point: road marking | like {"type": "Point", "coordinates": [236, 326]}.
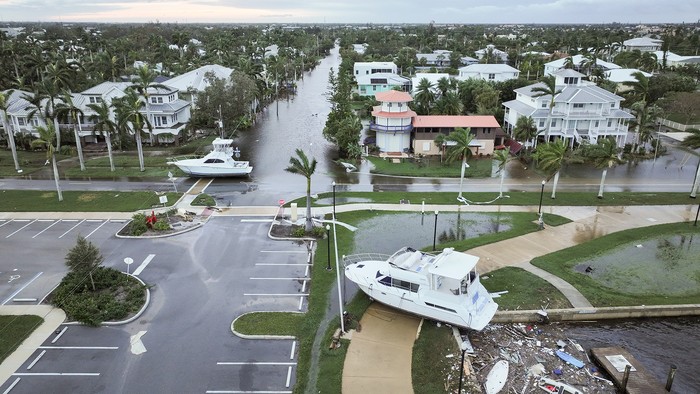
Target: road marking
{"type": "Point", "coordinates": [21, 288]}
{"type": "Point", "coordinates": [7, 222]}
{"type": "Point", "coordinates": [22, 220]}
{"type": "Point", "coordinates": [256, 220]}
{"type": "Point", "coordinates": [56, 374]}
{"type": "Point", "coordinates": [71, 229]}
{"type": "Point", "coordinates": [24, 300]}
{"type": "Point", "coordinates": [98, 227]}
{"type": "Point", "coordinates": [21, 228]}
{"type": "Point", "coordinates": [304, 279]}
{"type": "Point", "coordinates": [52, 224]}
{"type": "Point", "coordinates": [281, 264]}
{"type": "Point", "coordinates": [70, 220]}
{"type": "Point", "coordinates": [45, 220]}
{"type": "Point", "coordinates": [117, 220]}
{"type": "Point", "coordinates": [137, 346]}
{"type": "Point", "coordinates": [301, 303]}
{"type": "Point", "coordinates": [289, 376]}
{"type": "Point", "coordinates": [93, 220]}
{"type": "Point", "coordinates": [12, 386]}
{"type": "Point", "coordinates": [36, 360]}
{"type": "Point", "coordinates": [306, 271]}
{"type": "Point", "coordinates": [80, 347]}
{"type": "Point", "coordinates": [275, 295]}
{"type": "Point", "coordinates": [254, 363]}
{"type": "Point", "coordinates": [291, 354]}
{"type": "Point", "coordinates": [283, 251]}
{"type": "Point", "coordinates": [143, 265]}
{"type": "Point", "coordinates": [303, 285]}
{"type": "Point", "coordinates": [59, 335]}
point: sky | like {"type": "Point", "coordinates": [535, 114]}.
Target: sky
{"type": "Point", "coordinates": [355, 11]}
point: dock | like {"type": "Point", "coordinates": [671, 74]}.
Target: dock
{"type": "Point", "coordinates": [613, 361]}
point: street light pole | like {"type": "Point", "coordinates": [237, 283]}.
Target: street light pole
{"type": "Point", "coordinates": [540, 222]}
{"type": "Point", "coordinates": [463, 346]}
{"type": "Point", "coordinates": [328, 235]}
{"type": "Point", "coordinates": [333, 184]}
{"type": "Point", "coordinates": [435, 230]}
{"type": "Point", "coordinates": [337, 274]}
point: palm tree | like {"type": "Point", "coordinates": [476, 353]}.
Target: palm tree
{"type": "Point", "coordinates": [640, 87]}
{"type": "Point", "coordinates": [526, 130]}
{"type": "Point", "coordinates": [302, 166]}
{"type": "Point", "coordinates": [424, 96]}
{"type": "Point", "coordinates": [569, 63]}
{"type": "Point", "coordinates": [606, 155]}
{"type": "Point", "coordinates": [68, 109]}
{"type": "Point", "coordinates": [449, 104]}
{"type": "Point", "coordinates": [104, 124]}
{"type": "Point", "coordinates": [47, 135]}
{"type": "Point", "coordinates": [131, 105]}
{"type": "Point", "coordinates": [145, 80]}
{"type": "Point", "coordinates": [502, 157]}
{"type": "Point", "coordinates": [550, 158]}
{"type": "Point", "coordinates": [462, 139]}
{"type": "Point", "coordinates": [644, 122]}
{"type": "Point", "coordinates": [693, 140]}
{"type": "Point", "coordinates": [4, 103]}
{"type": "Point", "coordinates": [549, 89]}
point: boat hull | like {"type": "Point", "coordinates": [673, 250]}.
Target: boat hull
{"type": "Point", "coordinates": [204, 171]}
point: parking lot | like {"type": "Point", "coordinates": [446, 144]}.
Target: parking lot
{"type": "Point", "coordinates": [200, 281]}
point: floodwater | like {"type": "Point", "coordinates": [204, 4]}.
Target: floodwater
{"type": "Point", "coordinates": [658, 266]}
{"type": "Point", "coordinates": [656, 343]}
{"type": "Point", "coordinates": [388, 232]}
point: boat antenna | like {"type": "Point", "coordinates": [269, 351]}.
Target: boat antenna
{"type": "Point", "coordinates": [221, 124]}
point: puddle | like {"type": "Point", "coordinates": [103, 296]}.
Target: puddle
{"type": "Point", "coordinates": [664, 266]}
{"type": "Point", "coordinates": [387, 233]}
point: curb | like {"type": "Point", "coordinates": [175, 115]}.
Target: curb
{"type": "Point", "coordinates": [246, 336]}
{"type": "Point", "coordinates": [188, 229]}
{"type": "Point", "coordinates": [602, 313]}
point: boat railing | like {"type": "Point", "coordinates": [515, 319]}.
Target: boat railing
{"type": "Point", "coordinates": [184, 157]}
{"type": "Point", "coordinates": [356, 258]}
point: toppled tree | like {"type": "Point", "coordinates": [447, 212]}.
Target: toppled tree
{"type": "Point", "coordinates": [84, 258]}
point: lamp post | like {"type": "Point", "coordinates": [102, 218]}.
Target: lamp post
{"type": "Point", "coordinates": [435, 230]}
{"type": "Point", "coordinates": [333, 184]}
{"type": "Point", "coordinates": [128, 261]}
{"type": "Point", "coordinates": [337, 274]}
{"type": "Point", "coordinates": [328, 235]}
{"type": "Point", "coordinates": [540, 222]}
{"type": "Point", "coordinates": [463, 346]}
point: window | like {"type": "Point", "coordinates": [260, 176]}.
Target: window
{"type": "Point", "coordinates": [34, 122]}
{"type": "Point", "coordinates": [377, 81]}
{"type": "Point", "coordinates": [578, 105]}
{"type": "Point", "coordinates": [609, 122]}
{"type": "Point", "coordinates": [554, 123]}
{"type": "Point", "coordinates": [157, 100]}
{"type": "Point", "coordinates": [571, 80]}
{"type": "Point", "coordinates": [20, 121]}
{"type": "Point", "coordinates": [400, 105]}
{"type": "Point", "coordinates": [492, 76]}
{"type": "Point", "coordinates": [389, 105]}
{"type": "Point", "coordinates": [160, 121]}
{"type": "Point", "coordinates": [541, 123]}
{"type": "Point", "coordinates": [171, 97]}
{"type": "Point", "coordinates": [174, 118]}
{"type": "Point", "coordinates": [612, 105]}
{"type": "Point", "coordinates": [544, 104]}
{"type": "Point", "coordinates": [357, 72]}
{"type": "Point", "coordinates": [596, 123]}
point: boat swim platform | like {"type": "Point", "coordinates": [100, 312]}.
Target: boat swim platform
{"type": "Point", "coordinates": [613, 361]}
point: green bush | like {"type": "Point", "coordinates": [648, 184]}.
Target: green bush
{"type": "Point", "coordinates": [138, 224]}
{"type": "Point", "coordinates": [161, 225]}
{"type": "Point", "coordinates": [116, 296]}
{"type": "Point", "coordinates": [298, 232]}
{"type": "Point", "coordinates": [319, 232]}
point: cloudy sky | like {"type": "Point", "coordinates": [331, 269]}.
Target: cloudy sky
{"type": "Point", "coordinates": [356, 11]}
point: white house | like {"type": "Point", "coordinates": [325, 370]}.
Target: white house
{"type": "Point", "coordinates": [189, 83]}
{"type": "Point", "coordinates": [673, 60]}
{"type": "Point", "coordinates": [582, 111]}
{"type": "Point", "coordinates": [433, 78]}
{"type": "Point", "coordinates": [489, 72]}
{"type": "Point", "coordinates": [369, 85]}
{"type": "Point", "coordinates": [367, 68]}
{"type": "Point", "coordinates": [393, 121]}
{"type": "Point", "coordinates": [559, 64]}
{"type": "Point", "coordinates": [19, 113]}
{"type": "Point", "coordinates": [439, 58]}
{"type": "Point", "coordinates": [643, 44]}
{"type": "Point", "coordinates": [491, 51]}
{"type": "Point", "coordinates": [622, 75]}
{"type": "Point", "coordinates": [360, 48]}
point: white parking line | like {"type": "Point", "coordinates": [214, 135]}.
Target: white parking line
{"type": "Point", "coordinates": [256, 220]}
{"type": "Point", "coordinates": [246, 392]}
{"type": "Point", "coordinates": [56, 374]}
{"type": "Point", "coordinates": [143, 265]}
{"type": "Point", "coordinates": [36, 360]}
{"type": "Point", "coordinates": [93, 220]}
{"type": "Point", "coordinates": [12, 386]}
{"type": "Point", "coordinates": [304, 279]}
{"type": "Point", "coordinates": [21, 288]}
{"type": "Point", "coordinates": [289, 376]}
{"type": "Point", "coordinates": [59, 335]}
{"type": "Point", "coordinates": [280, 264]}
{"type": "Point", "coordinates": [98, 227]}
{"type": "Point", "coordinates": [71, 229]}
{"type": "Point", "coordinates": [275, 295]}
{"type": "Point", "coordinates": [21, 228]}
{"type": "Point", "coordinates": [80, 347]}
{"type": "Point", "coordinates": [301, 303]}
{"type": "Point", "coordinates": [291, 354]}
{"type": "Point", "coordinates": [51, 225]}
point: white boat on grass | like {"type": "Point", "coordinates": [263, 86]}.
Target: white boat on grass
{"type": "Point", "coordinates": [443, 287]}
{"type": "Point", "coordinates": [217, 163]}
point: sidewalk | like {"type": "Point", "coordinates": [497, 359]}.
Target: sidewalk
{"type": "Point", "coordinates": [367, 374]}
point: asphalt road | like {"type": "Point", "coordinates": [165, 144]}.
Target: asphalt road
{"type": "Point", "coordinates": [200, 281]}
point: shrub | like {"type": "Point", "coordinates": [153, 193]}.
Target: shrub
{"type": "Point", "coordinates": [298, 231]}
{"type": "Point", "coordinates": [161, 225]}
{"type": "Point", "coordinates": [319, 232]}
{"type": "Point", "coordinates": [138, 224]}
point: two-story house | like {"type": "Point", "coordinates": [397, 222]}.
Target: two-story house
{"type": "Point", "coordinates": [582, 111]}
{"type": "Point", "coordinates": [393, 121]}
{"type": "Point", "coordinates": [368, 85]}
{"type": "Point", "coordinates": [367, 68]}
{"type": "Point", "coordinates": [578, 63]}
{"type": "Point", "coordinates": [643, 44]}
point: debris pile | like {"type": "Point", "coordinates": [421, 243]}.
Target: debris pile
{"type": "Point", "coordinates": [541, 359]}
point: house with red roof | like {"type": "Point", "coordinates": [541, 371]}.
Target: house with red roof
{"type": "Point", "coordinates": [400, 130]}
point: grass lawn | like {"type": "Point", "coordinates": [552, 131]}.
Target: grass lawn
{"type": "Point", "coordinates": [562, 264]}
{"type": "Point", "coordinates": [126, 164]}
{"type": "Point", "coordinates": [431, 168]}
{"type": "Point", "coordinates": [525, 290]}
{"type": "Point", "coordinates": [269, 323]}
{"type": "Point", "coordinates": [29, 161]}
{"type": "Point", "coordinates": [204, 200]}
{"type": "Point", "coordinates": [516, 198]}
{"type": "Point", "coordinates": [431, 370]}
{"type": "Point", "coordinates": [80, 201]}
{"type": "Point", "coordinates": [15, 329]}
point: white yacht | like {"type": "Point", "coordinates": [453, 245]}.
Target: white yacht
{"type": "Point", "coordinates": [217, 163]}
{"type": "Point", "coordinates": [443, 287]}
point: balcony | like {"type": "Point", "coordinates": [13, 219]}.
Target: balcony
{"type": "Point", "coordinates": [390, 129]}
